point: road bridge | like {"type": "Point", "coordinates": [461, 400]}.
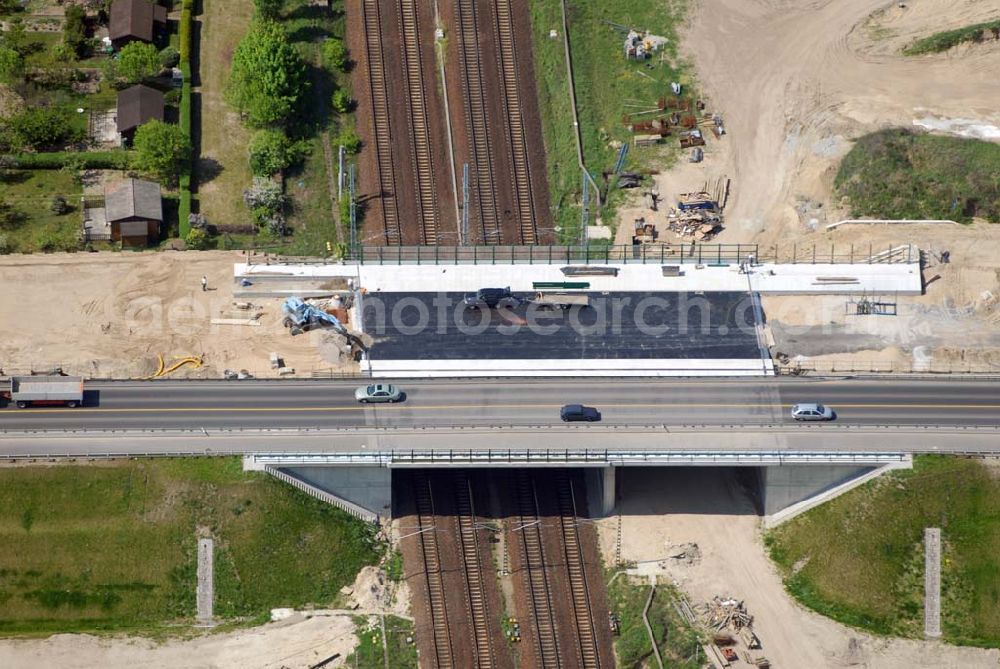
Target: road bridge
{"type": "Point", "coordinates": [317, 432]}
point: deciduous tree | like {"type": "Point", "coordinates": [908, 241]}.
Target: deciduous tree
{"type": "Point", "coordinates": [162, 149]}
{"type": "Point", "coordinates": [268, 76]}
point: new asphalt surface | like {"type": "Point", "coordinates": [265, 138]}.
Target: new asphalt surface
{"type": "Point", "coordinates": [331, 404]}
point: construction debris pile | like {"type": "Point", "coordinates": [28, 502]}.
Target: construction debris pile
{"type": "Point", "coordinates": [641, 45]}
{"type": "Point", "coordinates": [672, 116]}
{"type": "Point", "coordinates": [731, 626]}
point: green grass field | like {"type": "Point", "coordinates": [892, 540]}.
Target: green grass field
{"type": "Point", "coordinates": [898, 173]}
{"type": "Point", "coordinates": [607, 87]}
{"type": "Point", "coordinates": [678, 643]}
{"type": "Point", "coordinates": [859, 558]}
{"type": "Point", "coordinates": [947, 39]}
{"type": "Point", "coordinates": [113, 546]}
{"type": "Point", "coordinates": [30, 193]}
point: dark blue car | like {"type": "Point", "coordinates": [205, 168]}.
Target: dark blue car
{"type": "Point", "coordinates": [579, 412]}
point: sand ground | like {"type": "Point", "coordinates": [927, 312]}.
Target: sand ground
{"type": "Point", "coordinates": [668, 507]}
{"type": "Point", "coordinates": [797, 80]}
{"type": "Point", "coordinates": [112, 314]}
{"type": "Point", "coordinates": [296, 642]}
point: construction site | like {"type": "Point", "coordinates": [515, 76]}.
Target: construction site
{"type": "Point", "coordinates": [511, 567]}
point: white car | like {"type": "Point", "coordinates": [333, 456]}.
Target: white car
{"type": "Point", "coordinates": [378, 392]}
{"type": "Point", "coordinates": [812, 412]}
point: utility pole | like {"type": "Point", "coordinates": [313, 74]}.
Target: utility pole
{"type": "Point", "coordinates": [465, 205]}
{"type": "Point", "coordinates": [585, 211]}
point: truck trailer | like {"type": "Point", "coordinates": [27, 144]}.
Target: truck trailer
{"type": "Point", "coordinates": [26, 391]}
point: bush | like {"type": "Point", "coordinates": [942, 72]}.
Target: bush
{"type": "Point", "coordinates": [349, 140]}
{"type": "Point", "coordinates": [93, 160]}
{"type": "Point", "coordinates": [335, 54]}
{"type": "Point", "coordinates": [197, 239]}
{"type": "Point", "coordinates": [135, 62]}
{"type": "Point", "coordinates": [40, 128]}
{"type": "Point", "coordinates": [268, 9]}
{"type": "Point", "coordinates": [6, 246]}
{"type": "Point", "coordinates": [342, 102]}
{"type": "Point", "coordinates": [10, 216]}
{"type": "Point", "coordinates": [271, 151]}
{"type": "Point", "coordinates": [267, 203]}
{"type": "Point", "coordinates": [11, 65]}
{"type": "Point", "coordinates": [59, 206]}
{"type": "Point", "coordinates": [75, 30]}
{"type": "Point", "coordinates": [169, 57]}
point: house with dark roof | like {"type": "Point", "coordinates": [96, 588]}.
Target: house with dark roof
{"type": "Point", "coordinates": [137, 105]}
{"type": "Point", "coordinates": [135, 20]}
{"type": "Point", "coordinates": [134, 211]}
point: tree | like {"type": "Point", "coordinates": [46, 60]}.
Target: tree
{"type": "Point", "coordinates": [335, 54]}
{"type": "Point", "coordinates": [267, 204]}
{"type": "Point", "coordinates": [11, 65]}
{"type": "Point", "coordinates": [75, 30]}
{"type": "Point", "coordinates": [169, 56]}
{"type": "Point", "coordinates": [136, 61]}
{"type": "Point", "coordinates": [269, 9]}
{"type": "Point", "coordinates": [272, 151]}
{"type": "Point", "coordinates": [342, 101]}
{"type": "Point", "coordinates": [162, 149]}
{"type": "Point", "coordinates": [268, 76]}
{"type": "Point", "coordinates": [43, 127]}
{"type": "Point", "coordinates": [9, 6]}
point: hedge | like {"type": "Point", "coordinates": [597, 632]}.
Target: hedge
{"type": "Point", "coordinates": [94, 160]}
{"type": "Point", "coordinates": [184, 33]}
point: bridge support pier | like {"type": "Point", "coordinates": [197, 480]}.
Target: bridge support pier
{"type": "Point", "coordinates": [601, 491]}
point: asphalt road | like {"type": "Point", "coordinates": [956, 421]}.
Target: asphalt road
{"type": "Point", "coordinates": [330, 404]}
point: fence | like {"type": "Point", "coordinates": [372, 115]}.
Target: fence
{"type": "Point", "coordinates": [322, 495]}
{"type": "Point", "coordinates": [640, 254]}
{"type": "Point", "coordinates": [943, 368]}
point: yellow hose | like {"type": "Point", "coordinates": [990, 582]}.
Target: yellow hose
{"type": "Point", "coordinates": [193, 360]}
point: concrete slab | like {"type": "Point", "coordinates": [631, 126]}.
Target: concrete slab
{"type": "Point", "coordinates": [769, 278]}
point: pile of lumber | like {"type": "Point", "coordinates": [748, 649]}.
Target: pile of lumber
{"type": "Point", "coordinates": [722, 614]}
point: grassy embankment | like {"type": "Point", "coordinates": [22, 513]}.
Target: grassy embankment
{"type": "Point", "coordinates": [397, 652]}
{"type": "Point", "coordinates": [948, 39]}
{"type": "Point", "coordinates": [859, 558]}
{"type": "Point", "coordinates": [109, 548]}
{"type": "Point", "coordinates": [607, 86]}
{"type": "Point", "coordinates": [899, 173]}
{"type": "Point", "coordinates": [678, 643]}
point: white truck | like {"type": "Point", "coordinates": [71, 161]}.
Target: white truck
{"type": "Point", "coordinates": [546, 300]}
{"type": "Point", "coordinates": [26, 391]}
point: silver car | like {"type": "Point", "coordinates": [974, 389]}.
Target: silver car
{"type": "Point", "coordinates": [812, 412]}
{"type": "Point", "coordinates": [378, 392]}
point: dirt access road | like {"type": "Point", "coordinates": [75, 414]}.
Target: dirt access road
{"type": "Point", "coordinates": [669, 507]}
{"type": "Point", "coordinates": [797, 80]}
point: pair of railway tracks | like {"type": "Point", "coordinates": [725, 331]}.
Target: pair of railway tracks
{"type": "Point", "coordinates": [539, 581]}
{"type": "Point", "coordinates": [484, 158]}
{"type": "Point", "coordinates": [475, 585]}
{"type": "Point", "coordinates": [417, 126]}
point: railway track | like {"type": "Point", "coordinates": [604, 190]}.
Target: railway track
{"type": "Point", "coordinates": [419, 126]}
{"type": "Point", "coordinates": [529, 527]}
{"type": "Point", "coordinates": [424, 497]}
{"type": "Point", "coordinates": [476, 121]}
{"type": "Point", "coordinates": [379, 99]}
{"type": "Point", "coordinates": [504, 26]}
{"type": "Point", "coordinates": [583, 614]}
{"type": "Point", "coordinates": [478, 604]}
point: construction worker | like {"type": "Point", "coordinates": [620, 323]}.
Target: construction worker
{"type": "Point", "coordinates": [204, 283]}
